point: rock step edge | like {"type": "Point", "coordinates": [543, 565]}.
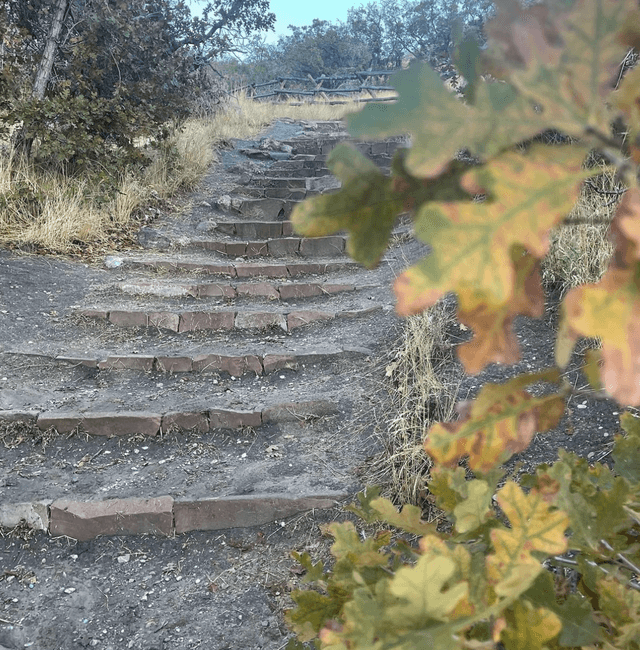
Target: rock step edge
{"type": "Point", "coordinates": [151, 424]}
{"type": "Point", "coordinates": [162, 515]}
{"type": "Point", "coordinates": [199, 320]}
{"type": "Point", "coordinates": [235, 365]}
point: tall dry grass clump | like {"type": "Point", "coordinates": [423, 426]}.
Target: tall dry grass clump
{"type": "Point", "coordinates": [579, 251]}
{"type": "Point", "coordinates": [44, 208]}
{"type": "Point", "coordinates": [421, 390]}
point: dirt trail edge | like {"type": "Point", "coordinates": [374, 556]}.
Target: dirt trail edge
{"type": "Point", "coordinates": [207, 383]}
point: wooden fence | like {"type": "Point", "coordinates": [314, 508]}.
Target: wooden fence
{"type": "Point", "coordinates": [328, 87]}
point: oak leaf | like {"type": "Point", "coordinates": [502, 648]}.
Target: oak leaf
{"type": "Point", "coordinates": [610, 310]}
{"type": "Point", "coordinates": [408, 519]}
{"type": "Point", "coordinates": [579, 627]}
{"type": "Point", "coordinates": [494, 340]}
{"type": "Point", "coordinates": [529, 627]}
{"type": "Point", "coordinates": [626, 452]}
{"type": "Point", "coordinates": [441, 124]}
{"type": "Point", "coordinates": [312, 612]}
{"type": "Point", "coordinates": [534, 527]}
{"type": "Point", "coordinates": [594, 498]}
{"type": "Point", "coordinates": [622, 605]}
{"type": "Point", "coordinates": [472, 241]}
{"type": "Point", "coordinates": [426, 590]}
{"type": "Point", "coordinates": [366, 206]}
{"type": "Point", "coordinates": [565, 63]}
{"type": "Point", "coordinates": [501, 421]}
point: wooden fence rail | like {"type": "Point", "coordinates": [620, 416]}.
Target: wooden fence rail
{"type": "Point", "coordinates": [311, 87]}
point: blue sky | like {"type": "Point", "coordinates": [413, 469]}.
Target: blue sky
{"type": "Point", "coordinates": [301, 12]}
{"type": "Point", "coordinates": [297, 12]}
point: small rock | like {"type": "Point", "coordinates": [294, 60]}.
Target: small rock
{"type": "Point", "coordinates": [69, 590]}
{"type": "Point", "coordinates": [112, 262]}
{"type": "Point", "coordinates": [123, 559]}
{"type": "Point", "coordinates": [224, 202]}
{"type": "Point", "coordinates": [206, 226]}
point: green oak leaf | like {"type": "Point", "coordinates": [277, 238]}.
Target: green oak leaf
{"type": "Point", "coordinates": [366, 206]}
{"type": "Point", "coordinates": [314, 572]}
{"type": "Point", "coordinates": [565, 63]}
{"type": "Point", "coordinates": [475, 509]}
{"type": "Point", "coordinates": [408, 519]}
{"type": "Point", "coordinates": [468, 500]}
{"type": "Point", "coordinates": [593, 497]}
{"type": "Point", "coordinates": [422, 589]}
{"type": "Point", "coordinates": [363, 508]}
{"type": "Point", "coordinates": [575, 613]}
{"type": "Point", "coordinates": [626, 452]}
{"type": "Point", "coordinates": [313, 610]}
{"type": "Point", "coordinates": [446, 485]}
{"type": "Point", "coordinates": [441, 124]}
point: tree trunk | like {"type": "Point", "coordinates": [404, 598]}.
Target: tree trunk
{"type": "Point", "coordinates": [22, 143]}
{"type": "Point", "coordinates": [46, 62]}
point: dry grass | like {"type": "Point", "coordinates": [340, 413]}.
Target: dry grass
{"type": "Point", "coordinates": [421, 390]}
{"type": "Point", "coordinates": [46, 209]}
{"type": "Point", "coordinates": [63, 214]}
{"type": "Point", "coordinates": [580, 253]}
{"type": "Point", "coordinates": [244, 118]}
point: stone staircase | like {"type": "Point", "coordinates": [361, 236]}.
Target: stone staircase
{"type": "Point", "coordinates": [206, 382]}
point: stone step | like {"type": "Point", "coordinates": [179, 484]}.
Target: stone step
{"type": "Point", "coordinates": [271, 291]}
{"type": "Point", "coordinates": [233, 365]}
{"type": "Point", "coordinates": [150, 423]}
{"type": "Point", "coordinates": [324, 146]}
{"type": "Point", "coordinates": [239, 269]}
{"type": "Point", "coordinates": [332, 246]}
{"type": "Point", "coordinates": [197, 458]}
{"type": "Point", "coordinates": [326, 126]}
{"type": "Point", "coordinates": [164, 515]}
{"type": "Point", "coordinates": [254, 229]}
{"type": "Point", "coordinates": [291, 183]}
{"type": "Point", "coordinates": [266, 209]}
{"type": "Point", "coordinates": [223, 381]}
{"type": "Point", "coordinates": [119, 473]}
{"type": "Point", "coordinates": [219, 320]}
{"type": "Point", "coordinates": [256, 192]}
{"type": "Point", "coordinates": [316, 166]}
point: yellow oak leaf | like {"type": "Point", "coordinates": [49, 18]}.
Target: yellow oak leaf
{"type": "Point", "coordinates": [426, 590]}
{"type": "Point", "coordinates": [529, 627]}
{"type": "Point", "coordinates": [534, 527]}
{"type": "Point", "coordinates": [500, 422]}
{"type": "Point", "coordinates": [494, 340]}
{"type": "Point", "coordinates": [527, 194]}
{"type": "Point", "coordinates": [610, 310]}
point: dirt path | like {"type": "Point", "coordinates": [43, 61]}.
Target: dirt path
{"type": "Point", "coordinates": [175, 422]}
{"type": "Point", "coordinates": [208, 382]}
